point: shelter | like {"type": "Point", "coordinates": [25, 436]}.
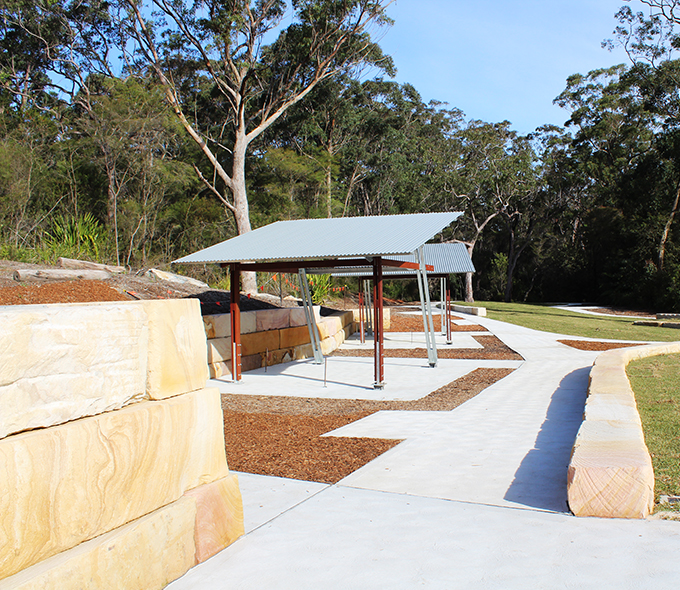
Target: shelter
{"type": "Point", "coordinates": [445, 259]}
{"type": "Point", "coordinates": [299, 245]}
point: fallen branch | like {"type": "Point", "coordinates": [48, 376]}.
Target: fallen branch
{"type": "Point", "coordinates": [84, 264]}
{"type": "Point", "coordinates": [61, 274]}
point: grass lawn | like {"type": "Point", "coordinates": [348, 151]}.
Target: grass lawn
{"type": "Point", "coordinates": [656, 383]}
{"type": "Point", "coordinates": [573, 323]}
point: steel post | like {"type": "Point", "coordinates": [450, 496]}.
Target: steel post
{"type": "Point", "coordinates": [235, 313]}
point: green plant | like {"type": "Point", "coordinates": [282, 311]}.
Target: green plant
{"type": "Point", "coordinates": [75, 237]}
{"type": "Point", "coordinates": [320, 286]}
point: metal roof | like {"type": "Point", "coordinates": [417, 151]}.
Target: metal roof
{"type": "Point", "coordinates": [317, 239]}
{"type": "Point", "coordinates": [445, 258]}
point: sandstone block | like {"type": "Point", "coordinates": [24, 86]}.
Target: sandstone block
{"type": "Point", "coordinates": [304, 351]}
{"type": "Point", "coordinates": [298, 318]}
{"type": "Point", "coordinates": [328, 345]}
{"type": "Point", "coordinates": [149, 553]}
{"type": "Point", "coordinates": [611, 481]}
{"type": "Point", "coordinates": [67, 484]}
{"type": "Point", "coordinates": [612, 407]}
{"type": "Point", "coordinates": [217, 326]}
{"type": "Point", "coordinates": [177, 347]}
{"type": "Point", "coordinates": [251, 362]}
{"type": "Point", "coordinates": [51, 371]}
{"type": "Point", "coordinates": [607, 380]}
{"type": "Point", "coordinates": [220, 369]}
{"type": "Point", "coordinates": [294, 336]}
{"type": "Point", "coordinates": [248, 322]}
{"type": "Point", "coordinates": [272, 319]}
{"type": "Point", "coordinates": [219, 516]}
{"type": "Point", "coordinates": [219, 349]}
{"type": "Point", "coordinates": [259, 342]}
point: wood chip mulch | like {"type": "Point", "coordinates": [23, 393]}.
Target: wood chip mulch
{"type": "Point", "coordinates": [493, 349]}
{"type": "Point", "coordinates": [281, 436]}
{"type": "Point", "coordinates": [597, 346]}
{"type": "Point", "coordinates": [414, 323]}
{"type": "Point", "coordinates": [81, 291]}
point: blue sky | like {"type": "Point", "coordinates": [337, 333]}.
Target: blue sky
{"type": "Point", "coordinates": [500, 59]}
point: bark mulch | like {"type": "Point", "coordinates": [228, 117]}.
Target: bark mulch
{"type": "Point", "coordinates": [411, 323]}
{"type": "Point", "coordinates": [493, 349]}
{"type": "Point", "coordinates": [80, 291]}
{"type": "Point", "coordinates": [597, 346]}
{"type": "Point", "coordinates": [281, 436]}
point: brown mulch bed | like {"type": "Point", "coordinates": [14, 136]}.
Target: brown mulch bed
{"type": "Point", "coordinates": [281, 436]}
{"type": "Point", "coordinates": [412, 323]}
{"type": "Point", "coordinates": [81, 291]}
{"type": "Point", "coordinates": [494, 349]}
{"type": "Point", "coordinates": [597, 346]}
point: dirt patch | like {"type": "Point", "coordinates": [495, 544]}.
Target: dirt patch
{"type": "Point", "coordinates": [281, 436]}
{"type": "Point", "coordinates": [597, 346]}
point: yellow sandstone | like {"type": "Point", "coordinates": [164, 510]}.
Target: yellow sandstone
{"type": "Point", "coordinates": [67, 484]}
{"type": "Point", "coordinates": [63, 362]}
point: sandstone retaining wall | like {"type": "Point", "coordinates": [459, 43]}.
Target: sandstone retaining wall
{"type": "Point", "coordinates": [112, 457]}
{"type": "Point", "coordinates": [271, 337]}
{"type": "Point", "coordinates": [610, 473]}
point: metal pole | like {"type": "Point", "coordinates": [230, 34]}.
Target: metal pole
{"type": "Point", "coordinates": [361, 316]}
{"type": "Point", "coordinates": [427, 310]}
{"type": "Point", "coordinates": [309, 316]}
{"type": "Point", "coordinates": [378, 324]}
{"type": "Point", "coordinates": [235, 313]}
{"type": "Point", "coordinates": [442, 303]}
{"type": "Point", "coordinates": [448, 311]}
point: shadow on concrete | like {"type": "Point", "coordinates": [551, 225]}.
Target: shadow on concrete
{"type": "Point", "coordinates": [541, 479]}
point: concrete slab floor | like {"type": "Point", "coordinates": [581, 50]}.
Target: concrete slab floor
{"type": "Point", "coordinates": [472, 499]}
{"type": "Point", "coordinates": [411, 340]}
{"type": "Point", "coordinates": [352, 378]}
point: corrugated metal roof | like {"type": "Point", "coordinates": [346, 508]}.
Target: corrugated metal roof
{"type": "Point", "coordinates": [314, 239]}
{"type": "Point", "coordinates": [445, 258]}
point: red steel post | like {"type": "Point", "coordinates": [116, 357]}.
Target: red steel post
{"type": "Point", "coordinates": [361, 315]}
{"type": "Point", "coordinates": [235, 311]}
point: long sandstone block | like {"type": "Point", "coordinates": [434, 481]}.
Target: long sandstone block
{"type": "Point", "coordinates": [248, 322]}
{"type": "Point", "coordinates": [67, 484]}
{"type": "Point", "coordinates": [294, 336]}
{"type": "Point", "coordinates": [219, 516]}
{"type": "Point", "coordinates": [219, 349]}
{"type": "Point", "coordinates": [178, 350]}
{"type": "Point", "coordinates": [614, 479]}
{"type": "Point", "coordinates": [272, 319]}
{"type": "Point", "coordinates": [612, 407]}
{"type": "Point", "coordinates": [259, 342]}
{"type": "Point", "coordinates": [148, 553]}
{"type": "Point", "coordinates": [51, 371]}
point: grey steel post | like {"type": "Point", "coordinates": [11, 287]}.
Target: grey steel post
{"type": "Point", "coordinates": [308, 306]}
{"type": "Point", "coordinates": [428, 324]}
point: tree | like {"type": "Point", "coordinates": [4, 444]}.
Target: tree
{"type": "Point", "coordinates": [227, 86]}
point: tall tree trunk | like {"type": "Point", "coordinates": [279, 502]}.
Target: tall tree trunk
{"type": "Point", "coordinates": [240, 200]}
{"type": "Point", "coordinates": [667, 229]}
{"type": "Point", "coordinates": [329, 180]}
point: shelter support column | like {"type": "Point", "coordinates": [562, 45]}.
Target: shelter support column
{"type": "Point", "coordinates": [235, 312]}
{"type": "Point", "coordinates": [378, 324]}
{"type": "Point", "coordinates": [448, 311]}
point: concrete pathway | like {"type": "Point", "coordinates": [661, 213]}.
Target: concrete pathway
{"type": "Point", "coordinates": [473, 498]}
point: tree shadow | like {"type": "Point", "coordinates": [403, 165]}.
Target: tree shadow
{"type": "Point", "coordinates": [541, 479]}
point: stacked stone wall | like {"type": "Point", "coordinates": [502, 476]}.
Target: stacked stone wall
{"type": "Point", "coordinates": [114, 473]}
{"type": "Point", "coordinates": [272, 336]}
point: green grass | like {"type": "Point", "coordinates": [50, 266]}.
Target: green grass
{"type": "Point", "coordinates": [572, 323]}
{"type": "Point", "coordinates": [656, 383]}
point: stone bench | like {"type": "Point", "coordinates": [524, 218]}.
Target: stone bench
{"type": "Point", "coordinates": [610, 473]}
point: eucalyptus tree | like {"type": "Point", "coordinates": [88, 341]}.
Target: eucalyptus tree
{"type": "Point", "coordinates": [215, 55]}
